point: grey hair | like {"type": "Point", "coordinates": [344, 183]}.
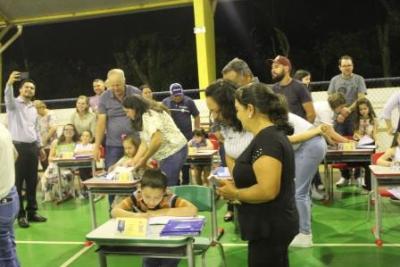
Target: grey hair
{"type": "Point", "coordinates": [119, 72]}
{"type": "Point", "coordinates": [239, 66]}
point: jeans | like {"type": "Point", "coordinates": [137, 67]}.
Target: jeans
{"type": "Point", "coordinates": [113, 154]}
{"type": "Point", "coordinates": [8, 213]}
{"type": "Point", "coordinates": [307, 158]}
{"type": "Point", "coordinates": [172, 165]}
{"type": "Point", "coordinates": [160, 262]}
{"type": "Point", "coordinates": [26, 170]}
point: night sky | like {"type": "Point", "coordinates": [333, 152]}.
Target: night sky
{"type": "Point", "coordinates": [64, 58]}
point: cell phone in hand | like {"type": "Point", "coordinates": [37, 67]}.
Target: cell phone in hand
{"type": "Point", "coordinates": [23, 75]}
{"type": "Point", "coordinates": [214, 180]}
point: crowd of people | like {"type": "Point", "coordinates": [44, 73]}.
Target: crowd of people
{"type": "Point", "coordinates": [272, 138]}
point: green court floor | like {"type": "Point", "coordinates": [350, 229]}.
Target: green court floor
{"type": "Point", "coordinates": [341, 232]}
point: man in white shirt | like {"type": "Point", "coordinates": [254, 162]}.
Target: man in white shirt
{"type": "Point", "coordinates": [9, 201]}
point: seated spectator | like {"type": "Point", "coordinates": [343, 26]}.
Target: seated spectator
{"type": "Point", "coordinates": [98, 88]}
{"type": "Point", "coordinates": [47, 128]}
{"type": "Point", "coordinates": [200, 141]}
{"type": "Point", "coordinates": [147, 92]}
{"type": "Point", "coordinates": [85, 147]}
{"type": "Point", "coordinates": [63, 147]}
{"type": "Point", "coordinates": [82, 118]}
{"type": "Point", "coordinates": [153, 199]}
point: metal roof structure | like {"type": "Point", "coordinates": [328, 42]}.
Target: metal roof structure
{"type": "Point", "coordinates": [33, 12]}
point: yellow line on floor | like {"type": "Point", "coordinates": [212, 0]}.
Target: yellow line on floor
{"type": "Point", "coordinates": [75, 256]}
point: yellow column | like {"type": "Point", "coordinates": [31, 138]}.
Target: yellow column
{"type": "Point", "coordinates": [205, 45]}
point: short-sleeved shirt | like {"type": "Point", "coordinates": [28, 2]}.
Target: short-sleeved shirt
{"type": "Point", "coordinates": [118, 124]}
{"type": "Point", "coordinates": [296, 95]}
{"type": "Point", "coordinates": [7, 170]}
{"type": "Point", "coordinates": [350, 87]}
{"type": "Point", "coordinates": [392, 103]}
{"type": "Point", "coordinates": [85, 123]}
{"type": "Point", "coordinates": [181, 114]}
{"type": "Point", "coordinates": [94, 102]}
{"type": "Point", "coordinates": [235, 142]}
{"type": "Point", "coordinates": [324, 113]}
{"type": "Point", "coordinates": [172, 139]}
{"type": "Point", "coordinates": [135, 202]}
{"type": "Point", "coordinates": [277, 219]}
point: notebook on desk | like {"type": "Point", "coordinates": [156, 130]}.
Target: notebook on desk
{"type": "Point", "coordinates": [183, 227]}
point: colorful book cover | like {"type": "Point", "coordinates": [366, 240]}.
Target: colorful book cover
{"type": "Point", "coordinates": [183, 227]}
{"type": "Point", "coordinates": [135, 227]}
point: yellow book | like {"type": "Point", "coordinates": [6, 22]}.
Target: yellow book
{"type": "Point", "coordinates": [136, 227]}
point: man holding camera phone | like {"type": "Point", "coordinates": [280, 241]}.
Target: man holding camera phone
{"type": "Point", "coordinates": [23, 125]}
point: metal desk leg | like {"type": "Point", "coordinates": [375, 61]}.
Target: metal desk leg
{"type": "Point", "coordinates": [93, 167]}
{"type": "Point", "coordinates": [190, 254]}
{"type": "Point", "coordinates": [102, 259]}
{"type": "Point", "coordinates": [378, 216]}
{"type": "Point", "coordinates": [92, 210]}
{"type": "Point", "coordinates": [60, 195]}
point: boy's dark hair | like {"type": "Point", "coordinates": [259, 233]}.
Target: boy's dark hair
{"type": "Point", "coordinates": [200, 132]}
{"type": "Point", "coordinates": [336, 100]}
{"type": "Point", "coordinates": [154, 178]}
{"type": "Point", "coordinates": [347, 57]}
{"type": "Point", "coordinates": [22, 82]}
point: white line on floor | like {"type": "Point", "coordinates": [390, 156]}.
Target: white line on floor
{"type": "Point", "coordinates": [77, 255]}
{"type": "Point", "coordinates": [51, 242]}
{"type": "Point", "coordinates": [325, 245]}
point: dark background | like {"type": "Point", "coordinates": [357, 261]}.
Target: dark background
{"type": "Point", "coordinates": [158, 47]}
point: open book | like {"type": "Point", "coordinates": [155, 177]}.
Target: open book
{"type": "Point", "coordinates": [366, 142]}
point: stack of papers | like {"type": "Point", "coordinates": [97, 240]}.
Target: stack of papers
{"type": "Point", "coordinates": [366, 142]}
{"type": "Point", "coordinates": [183, 227]}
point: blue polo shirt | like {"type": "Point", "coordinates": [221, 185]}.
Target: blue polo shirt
{"type": "Point", "coordinates": [181, 114]}
{"type": "Point", "coordinates": [118, 124]}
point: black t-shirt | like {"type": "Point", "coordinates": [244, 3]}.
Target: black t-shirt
{"type": "Point", "coordinates": [278, 219]}
{"type": "Point", "coordinates": [296, 95]}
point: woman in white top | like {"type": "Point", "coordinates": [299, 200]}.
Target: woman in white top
{"type": "Point", "coordinates": [160, 138]}
{"type": "Point", "coordinates": [220, 99]}
{"type": "Point", "coordinates": [392, 154]}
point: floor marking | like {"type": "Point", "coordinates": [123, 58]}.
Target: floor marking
{"type": "Point", "coordinates": [77, 255]}
{"type": "Point", "coordinates": [51, 242]}
{"type": "Point", "coordinates": [326, 245]}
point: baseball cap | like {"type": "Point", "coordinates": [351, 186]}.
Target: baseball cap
{"type": "Point", "coordinates": [176, 89]}
{"type": "Point", "coordinates": [281, 60]}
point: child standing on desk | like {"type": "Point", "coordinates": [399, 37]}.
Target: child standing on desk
{"type": "Point", "coordinates": [152, 199]}
{"type": "Point", "coordinates": [366, 124]}
{"type": "Point", "coordinates": [61, 148]}
{"type": "Point", "coordinates": [200, 141]}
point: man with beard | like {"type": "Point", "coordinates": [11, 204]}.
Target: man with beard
{"type": "Point", "coordinates": [296, 94]}
{"type": "Point", "coordinates": [23, 124]}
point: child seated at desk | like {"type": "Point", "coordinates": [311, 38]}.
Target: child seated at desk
{"type": "Point", "coordinates": [200, 141]}
{"type": "Point", "coordinates": [153, 199]}
{"type": "Point", "coordinates": [391, 155]}
{"type": "Point", "coordinates": [130, 149]}
{"type": "Point", "coordinates": [366, 124]}
{"type": "Point", "coordinates": [61, 148]}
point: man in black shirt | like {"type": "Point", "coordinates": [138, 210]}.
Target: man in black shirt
{"type": "Point", "coordinates": [296, 94]}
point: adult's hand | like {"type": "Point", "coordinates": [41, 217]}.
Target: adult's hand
{"type": "Point", "coordinates": [345, 112]}
{"type": "Point", "coordinates": [14, 76]}
{"type": "Point", "coordinates": [96, 153]}
{"type": "Point", "coordinates": [227, 190]}
{"type": "Point", "coordinates": [340, 118]}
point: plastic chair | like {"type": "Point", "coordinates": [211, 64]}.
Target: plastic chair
{"type": "Point", "coordinates": [204, 199]}
{"type": "Point", "coordinates": [383, 191]}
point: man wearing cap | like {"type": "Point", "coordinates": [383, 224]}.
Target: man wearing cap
{"type": "Point", "coordinates": [297, 96]}
{"type": "Point", "coordinates": [182, 109]}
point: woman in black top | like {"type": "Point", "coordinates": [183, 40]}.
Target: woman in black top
{"type": "Point", "coordinates": [264, 178]}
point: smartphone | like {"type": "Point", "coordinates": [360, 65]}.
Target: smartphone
{"type": "Point", "coordinates": [214, 180]}
{"type": "Point", "coordinates": [23, 75]}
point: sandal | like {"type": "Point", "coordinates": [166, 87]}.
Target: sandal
{"type": "Point", "coordinates": [228, 217]}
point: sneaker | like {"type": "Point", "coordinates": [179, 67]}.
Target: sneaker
{"type": "Point", "coordinates": [302, 241]}
{"type": "Point", "coordinates": [342, 182]}
{"type": "Point", "coordinates": [315, 194]}
{"type": "Point", "coordinates": [321, 187]}
{"type": "Point", "coordinates": [360, 182]}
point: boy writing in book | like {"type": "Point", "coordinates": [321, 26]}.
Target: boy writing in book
{"type": "Point", "coordinates": [152, 199]}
